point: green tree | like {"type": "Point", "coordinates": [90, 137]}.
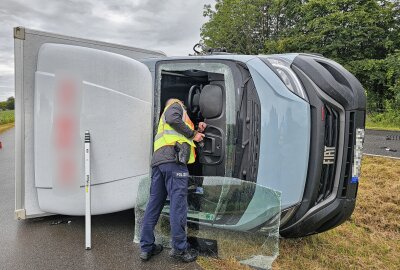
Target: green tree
{"type": "Point", "coordinates": [381, 78]}
{"type": "Point", "coordinates": [233, 25]}
{"type": "Point", "coordinates": [393, 80]}
{"type": "Point", "coordinates": [10, 103]}
{"type": "Point", "coordinates": [344, 30]}
{"type": "Point", "coordinates": [372, 74]}
{"type": "Point", "coordinates": [362, 35]}
{"type": "Point", "coordinates": [244, 26]}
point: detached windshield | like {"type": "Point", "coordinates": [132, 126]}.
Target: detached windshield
{"type": "Point", "coordinates": [236, 218]}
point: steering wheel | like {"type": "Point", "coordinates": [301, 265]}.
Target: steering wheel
{"type": "Point", "coordinates": [192, 106]}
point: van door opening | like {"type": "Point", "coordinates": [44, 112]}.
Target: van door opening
{"type": "Point", "coordinates": [223, 95]}
{"type": "Point", "coordinates": [205, 89]}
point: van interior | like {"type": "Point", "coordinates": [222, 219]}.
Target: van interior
{"type": "Point", "coordinates": [231, 144]}
{"type": "Point", "coordinates": [203, 94]}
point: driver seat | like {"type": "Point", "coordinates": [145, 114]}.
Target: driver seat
{"type": "Point", "coordinates": [212, 108]}
{"type": "Point", "coordinates": [193, 102]}
{"type": "Point", "coordinates": [210, 101]}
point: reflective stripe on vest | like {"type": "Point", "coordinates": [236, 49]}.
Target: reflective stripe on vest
{"type": "Point", "coordinates": [166, 135]}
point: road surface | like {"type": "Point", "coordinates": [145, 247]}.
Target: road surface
{"type": "Point", "coordinates": [35, 244]}
{"type": "Point", "coordinates": [385, 143]}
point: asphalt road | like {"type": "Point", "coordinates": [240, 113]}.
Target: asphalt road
{"type": "Point", "coordinates": [36, 244]}
{"type": "Point", "coordinates": [385, 143]}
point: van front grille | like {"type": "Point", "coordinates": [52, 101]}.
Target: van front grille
{"type": "Point", "coordinates": [331, 141]}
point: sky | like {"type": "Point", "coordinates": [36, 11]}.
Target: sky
{"type": "Point", "coordinates": [172, 26]}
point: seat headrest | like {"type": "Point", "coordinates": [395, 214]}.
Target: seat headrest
{"type": "Point", "coordinates": [211, 102]}
{"type": "Point", "coordinates": [196, 99]}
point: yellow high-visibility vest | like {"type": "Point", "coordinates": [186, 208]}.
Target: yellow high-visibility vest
{"type": "Point", "coordinates": [166, 135]}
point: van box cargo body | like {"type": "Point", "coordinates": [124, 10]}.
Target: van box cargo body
{"type": "Point", "coordinates": [41, 61]}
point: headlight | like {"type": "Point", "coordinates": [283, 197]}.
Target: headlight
{"type": "Point", "coordinates": [286, 74]}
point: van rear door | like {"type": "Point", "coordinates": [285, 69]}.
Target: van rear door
{"type": "Point", "coordinates": [63, 87]}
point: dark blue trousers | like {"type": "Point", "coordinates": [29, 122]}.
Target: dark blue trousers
{"type": "Point", "coordinates": [167, 179]}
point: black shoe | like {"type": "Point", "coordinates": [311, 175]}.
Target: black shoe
{"type": "Point", "coordinates": [189, 255]}
{"type": "Point", "coordinates": [145, 256]}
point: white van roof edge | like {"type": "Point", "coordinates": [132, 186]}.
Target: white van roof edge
{"type": "Point", "coordinates": [19, 33]}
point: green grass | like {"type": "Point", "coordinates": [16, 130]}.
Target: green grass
{"type": "Point", "coordinates": [6, 120]}
{"type": "Point", "coordinates": [369, 240]}
{"type": "Point", "coordinates": [6, 117]}
{"type": "Point", "coordinates": [384, 121]}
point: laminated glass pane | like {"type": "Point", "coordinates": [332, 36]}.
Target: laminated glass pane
{"type": "Point", "coordinates": [227, 218]}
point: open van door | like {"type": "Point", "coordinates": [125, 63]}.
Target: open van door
{"type": "Point", "coordinates": [65, 86]}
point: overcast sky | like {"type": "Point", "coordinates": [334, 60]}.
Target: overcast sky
{"type": "Point", "coordinates": [172, 26]}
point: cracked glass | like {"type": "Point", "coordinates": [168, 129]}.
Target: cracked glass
{"type": "Point", "coordinates": [227, 218]}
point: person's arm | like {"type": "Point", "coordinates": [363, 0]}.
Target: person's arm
{"type": "Point", "coordinates": [173, 116]}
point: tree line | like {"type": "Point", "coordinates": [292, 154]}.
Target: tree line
{"type": "Point", "coordinates": [362, 35]}
{"type": "Point", "coordinates": [7, 105]}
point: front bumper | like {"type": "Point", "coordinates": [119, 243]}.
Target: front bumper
{"type": "Point", "coordinates": [323, 219]}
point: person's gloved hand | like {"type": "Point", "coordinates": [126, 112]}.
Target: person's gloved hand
{"type": "Point", "coordinates": [202, 127]}
{"type": "Point", "coordinates": [198, 137]}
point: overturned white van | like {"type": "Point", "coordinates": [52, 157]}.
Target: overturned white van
{"type": "Point", "coordinates": [293, 123]}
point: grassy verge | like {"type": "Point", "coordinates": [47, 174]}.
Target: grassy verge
{"type": "Point", "coordinates": [6, 120]}
{"type": "Point", "coordinates": [383, 121]}
{"type": "Point", "coordinates": [369, 240]}
{"type": "Point", "coordinates": [6, 117]}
